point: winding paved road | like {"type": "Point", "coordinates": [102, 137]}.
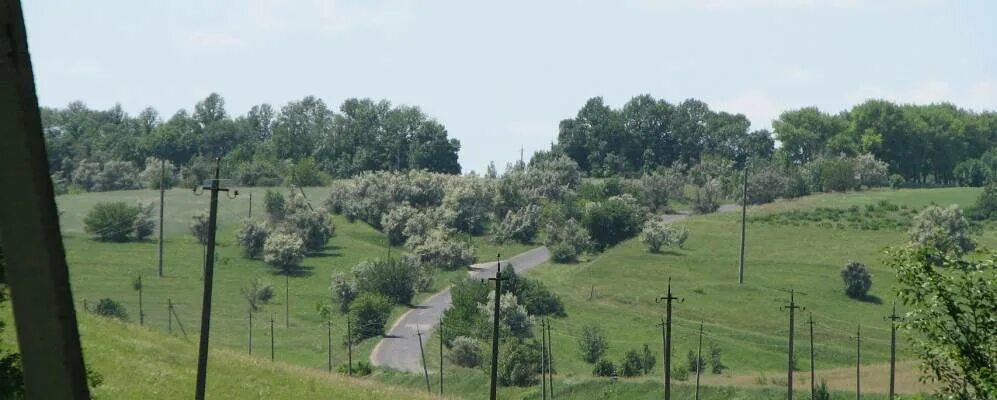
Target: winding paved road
{"type": "Point", "coordinates": [399, 349]}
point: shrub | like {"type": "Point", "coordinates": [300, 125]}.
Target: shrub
{"type": "Point", "coordinates": [657, 233]}
{"type": "Point", "coordinates": [441, 250]}
{"type": "Point", "coordinates": [632, 365]}
{"type": "Point", "coordinates": [716, 364]}
{"type": "Point", "coordinates": [344, 291]}
{"type": "Point", "coordinates": [551, 178]}
{"type": "Point", "coordinates": [519, 363]}
{"type": "Point", "coordinates": [513, 317]}
{"type": "Point", "coordinates": [897, 181]}
{"type": "Point", "coordinates": [766, 182]}
{"type": "Point", "coordinates": [520, 225]}
{"type": "Point", "coordinates": [117, 222]}
{"type": "Point", "coordinates": [706, 198]}
{"type": "Point", "coordinates": [85, 174]}
{"type": "Point", "coordinates": [857, 279]}
{"type": "Point", "coordinates": [393, 223]}
{"type": "Point", "coordinates": [604, 367]}
{"type": "Point", "coordinates": [592, 344]}
{"type": "Point", "coordinates": [274, 205]}
{"type": "Point", "coordinates": [312, 227]}
{"type": "Point", "coordinates": [656, 188]}
{"type": "Point", "coordinates": [647, 360]}
{"type": "Point", "coordinates": [465, 318]}
{"type": "Point", "coordinates": [614, 220]}
{"type": "Point", "coordinates": [116, 175]}
{"type": "Point", "coordinates": [944, 229]}
{"type": "Point", "coordinates": [306, 173]}
{"type": "Point", "coordinates": [829, 174]}
{"type": "Point", "coordinates": [283, 250]}
{"type": "Point", "coordinates": [392, 277]}
{"type": "Point", "coordinates": [870, 172]}
{"type": "Point", "coordinates": [532, 294]}
{"type": "Point", "coordinates": [680, 373]}
{"type": "Point", "coordinates": [199, 224]}
{"type": "Point", "coordinates": [142, 225]}
{"type": "Point", "coordinates": [821, 392]}
{"type": "Point", "coordinates": [694, 362]}
{"type": "Point", "coordinates": [258, 292]}
{"type": "Point", "coordinates": [465, 352]}
{"type": "Point", "coordinates": [251, 238]}
{"type": "Point", "coordinates": [986, 204]}
{"type": "Point", "coordinates": [971, 172]}
{"type": "Point", "coordinates": [369, 313]}
{"type": "Point", "coordinates": [566, 240]}
{"type": "Point", "coordinates": [362, 368]}
{"type": "Point", "coordinates": [466, 205]}
{"type": "Point", "coordinates": [111, 309]}
{"type": "Point", "coordinates": [150, 176]}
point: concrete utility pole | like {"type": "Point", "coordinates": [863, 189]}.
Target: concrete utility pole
{"type": "Point", "coordinates": [271, 338]}
{"type": "Point", "coordinates": [250, 205]}
{"type": "Point", "coordinates": [893, 349]}
{"type": "Point", "coordinates": [250, 330]}
{"type": "Point", "coordinates": [169, 313]}
{"type": "Point", "coordinates": [550, 361]}
{"type": "Point", "coordinates": [858, 362]}
{"type": "Point", "coordinates": [667, 327]}
{"type": "Point", "coordinates": [441, 357]}
{"type": "Point", "coordinates": [162, 204]}
{"type": "Point", "coordinates": [287, 299]}
{"type": "Point", "coordinates": [792, 307]}
{"type": "Point", "coordinates": [813, 378]}
{"type": "Point", "coordinates": [349, 345]}
{"type": "Point", "coordinates": [209, 273]}
{"type": "Point", "coordinates": [328, 324]}
{"type": "Point", "coordinates": [495, 328]}
{"type": "Point", "coordinates": [141, 311]}
{"type": "Point", "coordinates": [744, 224]}
{"type": "Point", "coordinates": [699, 359]}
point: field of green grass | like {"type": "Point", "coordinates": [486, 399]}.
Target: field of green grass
{"type": "Point", "coordinates": [614, 290]}
{"type": "Point", "coordinates": [100, 270]}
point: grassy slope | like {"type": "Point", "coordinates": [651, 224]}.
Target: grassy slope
{"type": "Point", "coordinates": [745, 321]}
{"type": "Point", "coordinates": [107, 269]}
{"type": "Point", "coordinates": [139, 363]}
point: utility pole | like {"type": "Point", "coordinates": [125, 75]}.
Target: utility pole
{"type": "Point", "coordinates": [287, 299]}
{"type": "Point", "coordinates": [349, 345]}
{"type": "Point", "coordinates": [744, 224]}
{"type": "Point", "coordinates": [441, 356]}
{"type": "Point", "coordinates": [813, 377]}
{"type": "Point", "coordinates": [543, 359]}
{"type": "Point", "coordinates": [893, 348]}
{"type": "Point", "coordinates": [699, 358]}
{"type": "Point", "coordinates": [495, 327]}
{"type": "Point", "coordinates": [250, 205]}
{"type": "Point", "coordinates": [858, 362]}
{"type": "Point", "coordinates": [667, 327]}
{"type": "Point", "coordinates": [550, 361]}
{"type": "Point", "coordinates": [141, 311]}
{"type": "Point", "coordinates": [792, 307]}
{"type": "Point", "coordinates": [271, 338]}
{"type": "Point", "coordinates": [328, 324]}
{"type": "Point", "coordinates": [250, 330]}
{"type": "Point", "coordinates": [209, 273]}
{"type": "Point", "coordinates": [169, 313]}
{"type": "Point", "coordinates": [425, 371]}
{"type": "Point", "coordinates": [162, 198]}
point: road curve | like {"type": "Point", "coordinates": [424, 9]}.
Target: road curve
{"type": "Point", "coordinates": [399, 349]}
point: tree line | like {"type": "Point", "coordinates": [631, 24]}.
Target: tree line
{"type": "Point", "coordinates": [921, 143]}
{"type": "Point", "coordinates": [266, 146]}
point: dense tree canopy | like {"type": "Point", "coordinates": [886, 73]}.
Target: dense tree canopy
{"type": "Point", "coordinates": [921, 143]}
{"type": "Point", "coordinates": [264, 145]}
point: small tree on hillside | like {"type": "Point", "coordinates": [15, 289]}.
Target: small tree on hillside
{"type": "Point", "coordinates": [251, 237]}
{"type": "Point", "coordinates": [706, 198]}
{"type": "Point", "coordinates": [592, 344]}
{"type": "Point", "coordinates": [393, 277]}
{"type": "Point", "coordinates": [117, 222]}
{"type": "Point", "coordinates": [944, 229]}
{"type": "Point", "coordinates": [657, 234]}
{"type": "Point", "coordinates": [857, 279]}
{"type": "Point", "coordinates": [257, 292]}
{"type": "Point", "coordinates": [466, 352]}
{"type": "Point", "coordinates": [284, 251]}
{"type": "Point", "coordinates": [343, 290]}
{"type": "Point", "coordinates": [274, 205]}
{"type": "Point", "coordinates": [199, 227]}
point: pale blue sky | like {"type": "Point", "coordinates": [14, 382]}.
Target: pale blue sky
{"type": "Point", "coordinates": [502, 74]}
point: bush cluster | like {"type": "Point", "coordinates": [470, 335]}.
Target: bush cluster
{"type": "Point", "coordinates": [657, 234]}
{"type": "Point", "coordinates": [119, 222]}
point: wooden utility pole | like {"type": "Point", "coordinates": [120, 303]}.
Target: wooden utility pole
{"type": "Point", "coordinates": [425, 371]}
{"type": "Point", "coordinates": [813, 377]}
{"type": "Point", "coordinates": [441, 356]}
{"type": "Point", "coordinates": [668, 338]}
{"type": "Point", "coordinates": [699, 359]}
{"type": "Point", "coordinates": [271, 338]}
{"type": "Point", "coordinates": [169, 313]}
{"type": "Point", "coordinates": [349, 345]}
{"type": "Point", "coordinates": [792, 307]}
{"type": "Point", "coordinates": [893, 349]}
{"type": "Point", "coordinates": [250, 205]}
{"type": "Point", "coordinates": [493, 392]}
{"type": "Point", "coordinates": [328, 324]}
{"type": "Point", "coordinates": [162, 205]}
{"type": "Point", "coordinates": [250, 330]}
{"type": "Point", "coordinates": [744, 224]}
{"type": "Point", "coordinates": [209, 273]}
{"type": "Point", "coordinates": [543, 359]}
{"type": "Point", "coordinates": [550, 362]}
{"type": "Point", "coordinates": [858, 362]}
{"type": "Point", "coordinates": [141, 311]}
{"type": "Point", "coordinates": [287, 299]}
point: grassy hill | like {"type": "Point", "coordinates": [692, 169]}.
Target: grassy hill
{"type": "Point", "coordinates": [99, 270]}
